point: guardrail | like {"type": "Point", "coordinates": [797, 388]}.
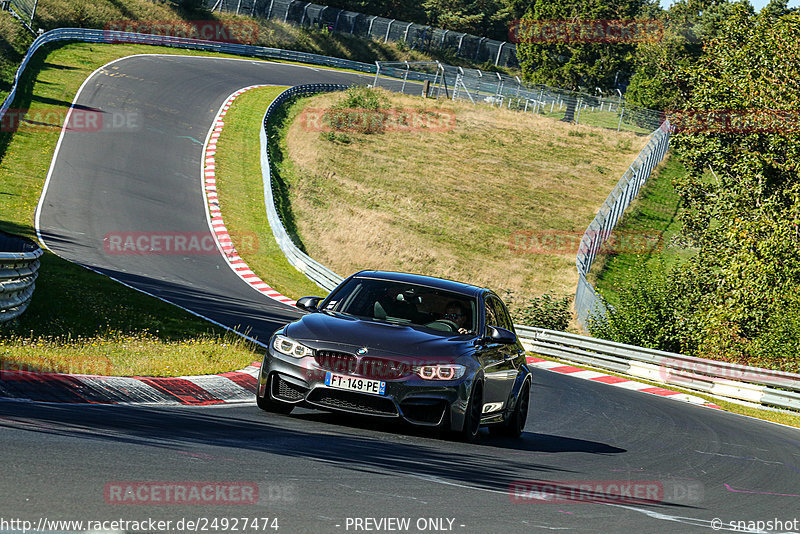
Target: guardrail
{"type": "Point", "coordinates": [735, 381]}
{"type": "Point", "coordinates": [111, 37]}
{"type": "Point", "coordinates": [315, 271]}
{"type": "Point", "coordinates": [19, 266]}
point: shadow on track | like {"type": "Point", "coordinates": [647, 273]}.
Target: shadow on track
{"type": "Point", "coordinates": [492, 466]}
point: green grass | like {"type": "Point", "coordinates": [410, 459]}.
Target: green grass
{"type": "Point", "coordinates": [648, 234]}
{"type": "Point", "coordinates": [241, 194]}
{"type": "Point", "coordinates": [600, 119]}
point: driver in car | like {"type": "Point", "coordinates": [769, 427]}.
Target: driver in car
{"type": "Point", "coordinates": [455, 313]}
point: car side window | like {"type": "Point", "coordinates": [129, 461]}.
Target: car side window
{"type": "Point", "coordinates": [504, 317]}
{"type": "Point", "coordinates": [491, 318]}
{"type": "Point", "coordinates": [499, 314]}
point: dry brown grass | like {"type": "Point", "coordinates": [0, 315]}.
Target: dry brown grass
{"type": "Point", "coordinates": [450, 203]}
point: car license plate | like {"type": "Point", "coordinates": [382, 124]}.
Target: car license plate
{"type": "Point", "coordinates": [352, 383]}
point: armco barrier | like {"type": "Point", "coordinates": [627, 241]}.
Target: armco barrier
{"type": "Point", "coordinates": [19, 266]}
{"type": "Point", "coordinates": [315, 271]}
{"type": "Point", "coordinates": [730, 380]}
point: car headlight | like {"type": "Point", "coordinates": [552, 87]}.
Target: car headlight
{"type": "Point", "coordinates": [441, 372]}
{"type": "Point", "coordinates": [290, 347]}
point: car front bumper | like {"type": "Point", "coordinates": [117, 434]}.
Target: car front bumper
{"type": "Point", "coordinates": [417, 401]}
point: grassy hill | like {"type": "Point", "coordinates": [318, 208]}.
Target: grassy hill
{"type": "Point", "coordinates": [500, 200]}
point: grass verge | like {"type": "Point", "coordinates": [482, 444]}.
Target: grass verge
{"type": "Point", "coordinates": [241, 194]}
{"type": "Point", "coordinates": [647, 235]}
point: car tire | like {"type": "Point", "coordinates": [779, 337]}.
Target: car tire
{"type": "Point", "coordinates": [270, 405]}
{"type": "Point", "coordinates": [515, 424]}
{"type": "Point", "coordinates": [472, 415]}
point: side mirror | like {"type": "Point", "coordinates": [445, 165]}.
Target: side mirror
{"type": "Point", "coordinates": [502, 336]}
{"type": "Point", "coordinates": [309, 304]}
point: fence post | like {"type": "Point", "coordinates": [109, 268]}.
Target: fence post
{"type": "Point", "coordinates": [478, 49]}
{"type": "Point", "coordinates": [286, 16]}
{"type": "Point", "coordinates": [388, 29]}
{"type": "Point", "coordinates": [369, 31]}
{"type": "Point", "coordinates": [377, 71]}
{"type": "Point", "coordinates": [499, 51]}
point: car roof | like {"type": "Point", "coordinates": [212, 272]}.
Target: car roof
{"type": "Point", "coordinates": [422, 280]}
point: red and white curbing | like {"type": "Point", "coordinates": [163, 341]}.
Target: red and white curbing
{"type": "Point", "coordinates": [617, 381]}
{"type": "Point", "coordinates": [224, 241]}
{"type": "Point", "coordinates": [224, 388]}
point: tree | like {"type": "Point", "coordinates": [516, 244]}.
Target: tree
{"type": "Point", "coordinates": [489, 18]}
{"type": "Point", "coordinates": [776, 9]}
{"type": "Point", "coordinates": [658, 81]}
{"type": "Point", "coordinates": [572, 64]}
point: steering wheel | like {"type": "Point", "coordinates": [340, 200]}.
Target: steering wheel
{"type": "Point", "coordinates": [453, 326]}
{"type": "Point", "coordinates": [443, 325]}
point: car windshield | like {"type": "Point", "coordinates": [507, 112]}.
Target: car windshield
{"type": "Point", "coordinates": [405, 303]}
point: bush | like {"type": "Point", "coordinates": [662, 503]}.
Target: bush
{"type": "Point", "coordinates": [542, 312]}
{"type": "Point", "coordinates": [362, 110]}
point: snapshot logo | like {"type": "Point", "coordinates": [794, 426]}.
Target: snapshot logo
{"type": "Point", "coordinates": [742, 121]}
{"type": "Point", "coordinates": [605, 491]}
{"type": "Point", "coordinates": [364, 120]}
{"type": "Point", "coordinates": [21, 371]}
{"type": "Point", "coordinates": [240, 31]}
{"type": "Point", "coordinates": [585, 31]}
{"type": "Point", "coordinates": [75, 119]}
{"type": "Point", "coordinates": [181, 493]}
{"type": "Point", "coordinates": [170, 243]}
{"type": "Point", "coordinates": [560, 242]}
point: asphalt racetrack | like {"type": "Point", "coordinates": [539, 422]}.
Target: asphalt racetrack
{"type": "Point", "coordinates": [687, 468]}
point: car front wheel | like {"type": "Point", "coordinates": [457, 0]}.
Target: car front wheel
{"type": "Point", "coordinates": [472, 416]}
{"type": "Point", "coordinates": [515, 424]}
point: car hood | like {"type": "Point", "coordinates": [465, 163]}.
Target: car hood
{"type": "Point", "coordinates": [338, 332]}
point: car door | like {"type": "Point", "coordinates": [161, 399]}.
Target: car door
{"type": "Point", "coordinates": [500, 359]}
